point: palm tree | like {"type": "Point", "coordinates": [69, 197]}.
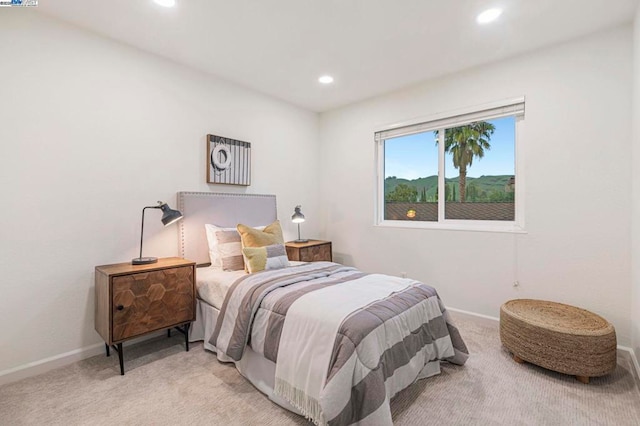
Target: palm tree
{"type": "Point", "coordinates": [465, 143]}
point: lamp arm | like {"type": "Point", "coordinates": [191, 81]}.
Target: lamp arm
{"type": "Point", "coordinates": [142, 226]}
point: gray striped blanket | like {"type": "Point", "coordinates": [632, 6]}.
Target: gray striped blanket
{"type": "Point", "coordinates": [344, 342]}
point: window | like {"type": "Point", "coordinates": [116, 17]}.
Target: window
{"type": "Point", "coordinates": [454, 172]}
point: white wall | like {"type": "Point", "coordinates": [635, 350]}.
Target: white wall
{"type": "Point", "coordinates": [635, 213]}
{"type": "Point", "coordinates": [91, 131]}
{"type": "Point", "coordinates": [576, 139]}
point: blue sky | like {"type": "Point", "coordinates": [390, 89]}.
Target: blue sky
{"type": "Point", "coordinates": [414, 156]}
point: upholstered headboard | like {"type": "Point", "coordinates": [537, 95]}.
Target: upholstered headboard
{"type": "Point", "coordinates": [223, 210]}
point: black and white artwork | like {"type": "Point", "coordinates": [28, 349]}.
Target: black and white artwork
{"type": "Point", "coordinates": [228, 161]}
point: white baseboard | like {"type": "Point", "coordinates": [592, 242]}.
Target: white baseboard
{"type": "Point", "coordinates": [636, 364]}
{"type": "Point", "coordinates": [42, 366]}
{"type": "Point", "coordinates": [493, 320]}
{"type": "Point", "coordinates": [474, 315]}
{"type": "Point", "coordinates": [634, 360]}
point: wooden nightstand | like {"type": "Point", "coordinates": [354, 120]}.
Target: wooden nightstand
{"type": "Point", "coordinates": [133, 300]}
{"type": "Point", "coordinates": [311, 251]}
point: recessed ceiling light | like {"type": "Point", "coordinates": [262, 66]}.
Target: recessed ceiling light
{"type": "Point", "coordinates": [165, 3]}
{"type": "Point", "coordinates": [489, 15]}
{"type": "Point", "coordinates": [326, 79]}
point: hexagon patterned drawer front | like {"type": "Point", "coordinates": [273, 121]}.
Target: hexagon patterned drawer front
{"type": "Point", "coordinates": [151, 301]}
{"type": "Point", "coordinates": [309, 251]}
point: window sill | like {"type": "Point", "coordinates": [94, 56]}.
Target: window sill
{"type": "Point", "coordinates": [474, 226]}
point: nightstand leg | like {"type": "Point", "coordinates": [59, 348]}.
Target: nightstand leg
{"type": "Point", "coordinates": [106, 347]}
{"type": "Point", "coordinates": [186, 335]}
{"type": "Point", "coordinates": [120, 356]}
{"type": "Point", "coordinates": [168, 332]}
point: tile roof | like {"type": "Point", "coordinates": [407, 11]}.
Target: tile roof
{"type": "Point", "coordinates": [454, 210]}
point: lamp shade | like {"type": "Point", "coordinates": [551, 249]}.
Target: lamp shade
{"type": "Point", "coordinates": [297, 216]}
{"type": "Point", "coordinates": [169, 215]}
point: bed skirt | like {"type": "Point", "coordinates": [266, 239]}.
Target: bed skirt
{"type": "Point", "coordinates": [254, 367]}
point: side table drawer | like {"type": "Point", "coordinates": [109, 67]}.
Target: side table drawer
{"type": "Point", "coordinates": [148, 301]}
{"type": "Point", "coordinates": [316, 253]}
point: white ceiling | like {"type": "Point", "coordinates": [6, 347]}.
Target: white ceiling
{"type": "Point", "coordinates": [281, 47]}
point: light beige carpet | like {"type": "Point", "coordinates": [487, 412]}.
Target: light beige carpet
{"type": "Point", "coordinates": [164, 385]}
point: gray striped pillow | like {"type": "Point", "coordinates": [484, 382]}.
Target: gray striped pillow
{"type": "Point", "coordinates": [265, 258]}
{"type": "Point", "coordinates": [225, 248]}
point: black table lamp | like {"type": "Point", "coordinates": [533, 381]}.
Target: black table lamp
{"type": "Point", "coordinates": [298, 218]}
{"type": "Point", "coordinates": [169, 216]}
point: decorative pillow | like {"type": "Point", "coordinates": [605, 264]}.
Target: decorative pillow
{"type": "Point", "coordinates": [225, 248]}
{"type": "Point", "coordinates": [265, 258]}
{"type": "Point", "coordinates": [251, 237]}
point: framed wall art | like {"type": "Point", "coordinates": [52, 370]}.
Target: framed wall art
{"type": "Point", "coordinates": [228, 161]}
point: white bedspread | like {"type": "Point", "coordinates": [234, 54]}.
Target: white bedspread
{"type": "Point", "coordinates": [213, 284]}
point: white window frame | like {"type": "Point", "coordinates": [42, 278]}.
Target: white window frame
{"type": "Point", "coordinates": [456, 118]}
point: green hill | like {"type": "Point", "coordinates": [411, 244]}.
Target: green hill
{"type": "Point", "coordinates": [482, 188]}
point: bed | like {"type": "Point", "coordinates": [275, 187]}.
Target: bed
{"type": "Point", "coordinates": [320, 339]}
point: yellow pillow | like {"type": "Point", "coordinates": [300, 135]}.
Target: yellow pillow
{"type": "Point", "coordinates": [251, 237]}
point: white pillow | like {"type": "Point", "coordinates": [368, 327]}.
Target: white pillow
{"type": "Point", "coordinates": [225, 248]}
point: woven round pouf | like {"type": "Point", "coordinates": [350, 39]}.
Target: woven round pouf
{"type": "Point", "coordinates": [558, 337]}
